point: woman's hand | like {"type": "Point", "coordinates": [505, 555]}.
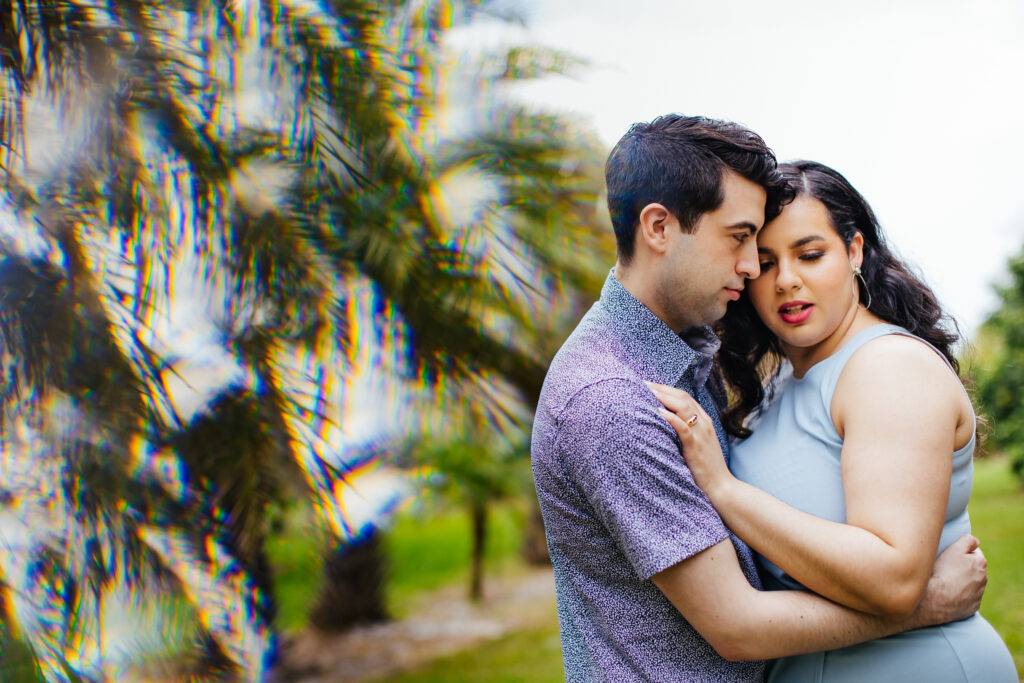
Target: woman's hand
{"type": "Point", "coordinates": [701, 449]}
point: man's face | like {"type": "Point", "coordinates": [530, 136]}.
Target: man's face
{"type": "Point", "coordinates": [700, 273]}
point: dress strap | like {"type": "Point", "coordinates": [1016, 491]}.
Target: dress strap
{"type": "Point", "coordinates": [832, 367]}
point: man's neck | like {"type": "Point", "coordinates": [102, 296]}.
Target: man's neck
{"type": "Point", "coordinates": [633, 281]}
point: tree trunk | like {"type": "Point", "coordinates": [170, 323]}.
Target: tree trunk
{"type": "Point", "coordinates": [478, 521]}
{"type": "Point", "coordinates": [535, 545]}
{"type": "Point", "coordinates": [353, 586]}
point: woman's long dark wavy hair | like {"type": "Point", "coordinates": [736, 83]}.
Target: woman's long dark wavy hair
{"type": "Point", "coordinates": [750, 353]}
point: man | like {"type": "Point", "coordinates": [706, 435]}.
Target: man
{"type": "Point", "coordinates": [650, 583]}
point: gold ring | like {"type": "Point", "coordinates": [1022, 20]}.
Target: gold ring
{"type": "Point", "coordinates": [692, 421]}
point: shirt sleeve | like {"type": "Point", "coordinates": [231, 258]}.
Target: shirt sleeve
{"type": "Point", "coordinates": [625, 459]}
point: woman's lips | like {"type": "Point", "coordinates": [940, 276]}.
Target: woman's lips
{"type": "Point", "coordinates": [795, 312]}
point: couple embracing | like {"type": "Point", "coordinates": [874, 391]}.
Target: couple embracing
{"type": "Point", "coordinates": [791, 486]}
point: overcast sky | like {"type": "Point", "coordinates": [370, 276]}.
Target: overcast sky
{"type": "Point", "coordinates": [917, 102]}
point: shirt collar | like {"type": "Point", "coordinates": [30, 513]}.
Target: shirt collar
{"type": "Point", "coordinates": [668, 353]}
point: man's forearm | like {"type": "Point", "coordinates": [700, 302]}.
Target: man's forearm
{"type": "Point", "coordinates": [710, 590]}
{"type": "Point", "coordinates": [784, 623]}
{"type": "Point", "coordinates": [741, 622]}
{"type": "Point", "coordinates": [810, 623]}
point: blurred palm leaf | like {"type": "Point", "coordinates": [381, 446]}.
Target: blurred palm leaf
{"type": "Point", "coordinates": [260, 156]}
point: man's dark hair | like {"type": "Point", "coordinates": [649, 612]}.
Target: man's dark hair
{"type": "Point", "coordinates": [680, 162]}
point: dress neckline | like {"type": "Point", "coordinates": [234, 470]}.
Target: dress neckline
{"type": "Point", "coordinates": [824, 361]}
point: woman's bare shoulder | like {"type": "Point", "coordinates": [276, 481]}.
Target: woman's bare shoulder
{"type": "Point", "coordinates": [898, 376]}
{"type": "Point", "coordinates": [896, 355]}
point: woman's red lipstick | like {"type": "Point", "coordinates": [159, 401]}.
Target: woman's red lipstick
{"type": "Point", "coordinates": [795, 312]}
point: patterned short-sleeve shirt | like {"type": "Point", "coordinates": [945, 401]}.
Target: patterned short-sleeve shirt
{"type": "Point", "coordinates": [619, 504]}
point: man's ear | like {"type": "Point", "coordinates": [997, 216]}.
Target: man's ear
{"type": "Point", "coordinates": [655, 221]}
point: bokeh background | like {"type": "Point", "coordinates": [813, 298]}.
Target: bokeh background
{"type": "Point", "coordinates": [280, 279]}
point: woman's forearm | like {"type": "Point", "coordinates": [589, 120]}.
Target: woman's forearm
{"type": "Point", "coordinates": [845, 563]}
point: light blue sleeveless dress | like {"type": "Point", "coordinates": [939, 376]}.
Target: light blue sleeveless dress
{"type": "Point", "coordinates": [793, 454]}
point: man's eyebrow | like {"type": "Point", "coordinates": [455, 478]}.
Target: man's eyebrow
{"type": "Point", "coordinates": [745, 225]}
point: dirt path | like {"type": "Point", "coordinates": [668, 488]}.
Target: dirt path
{"type": "Point", "coordinates": [442, 624]}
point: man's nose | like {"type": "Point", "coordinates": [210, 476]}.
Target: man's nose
{"type": "Point", "coordinates": [749, 266]}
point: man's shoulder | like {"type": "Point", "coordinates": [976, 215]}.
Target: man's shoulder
{"type": "Point", "coordinates": [595, 358]}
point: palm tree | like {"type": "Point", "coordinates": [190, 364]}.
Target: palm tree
{"type": "Point", "coordinates": [135, 165]}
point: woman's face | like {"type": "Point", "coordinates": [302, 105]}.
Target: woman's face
{"type": "Point", "coordinates": [806, 293]}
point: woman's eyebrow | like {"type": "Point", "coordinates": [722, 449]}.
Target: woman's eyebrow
{"type": "Point", "coordinates": [804, 240]}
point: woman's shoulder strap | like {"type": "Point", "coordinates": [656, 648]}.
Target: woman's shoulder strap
{"type": "Point", "coordinates": [835, 363]}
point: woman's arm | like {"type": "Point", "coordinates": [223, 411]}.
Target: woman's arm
{"type": "Point", "coordinates": [897, 407]}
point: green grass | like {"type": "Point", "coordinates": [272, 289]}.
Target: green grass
{"type": "Point", "coordinates": [997, 518]}
{"type": "Point", "coordinates": [296, 558]}
{"type": "Point", "coordinates": [533, 655]}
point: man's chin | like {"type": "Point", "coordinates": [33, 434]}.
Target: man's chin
{"type": "Point", "coordinates": [717, 314]}
{"type": "Point", "coordinates": [705, 321]}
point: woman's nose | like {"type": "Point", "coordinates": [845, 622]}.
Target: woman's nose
{"type": "Point", "coordinates": [786, 279]}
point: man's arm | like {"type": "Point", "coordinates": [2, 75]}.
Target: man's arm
{"type": "Point", "coordinates": [625, 459]}
{"type": "Point", "coordinates": [743, 623]}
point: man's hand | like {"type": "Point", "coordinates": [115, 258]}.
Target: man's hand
{"type": "Point", "coordinates": [957, 583]}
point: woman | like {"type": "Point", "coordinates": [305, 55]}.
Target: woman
{"type": "Point", "coordinates": [858, 470]}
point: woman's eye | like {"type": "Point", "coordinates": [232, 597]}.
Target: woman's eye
{"type": "Point", "coordinates": [766, 264]}
{"type": "Point", "coordinates": [811, 256]}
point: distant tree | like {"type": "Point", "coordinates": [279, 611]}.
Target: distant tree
{"type": "Point", "coordinates": [474, 457]}
{"type": "Point", "coordinates": [998, 369]}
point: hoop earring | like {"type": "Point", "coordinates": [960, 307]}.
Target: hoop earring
{"type": "Point", "coordinates": [856, 274]}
